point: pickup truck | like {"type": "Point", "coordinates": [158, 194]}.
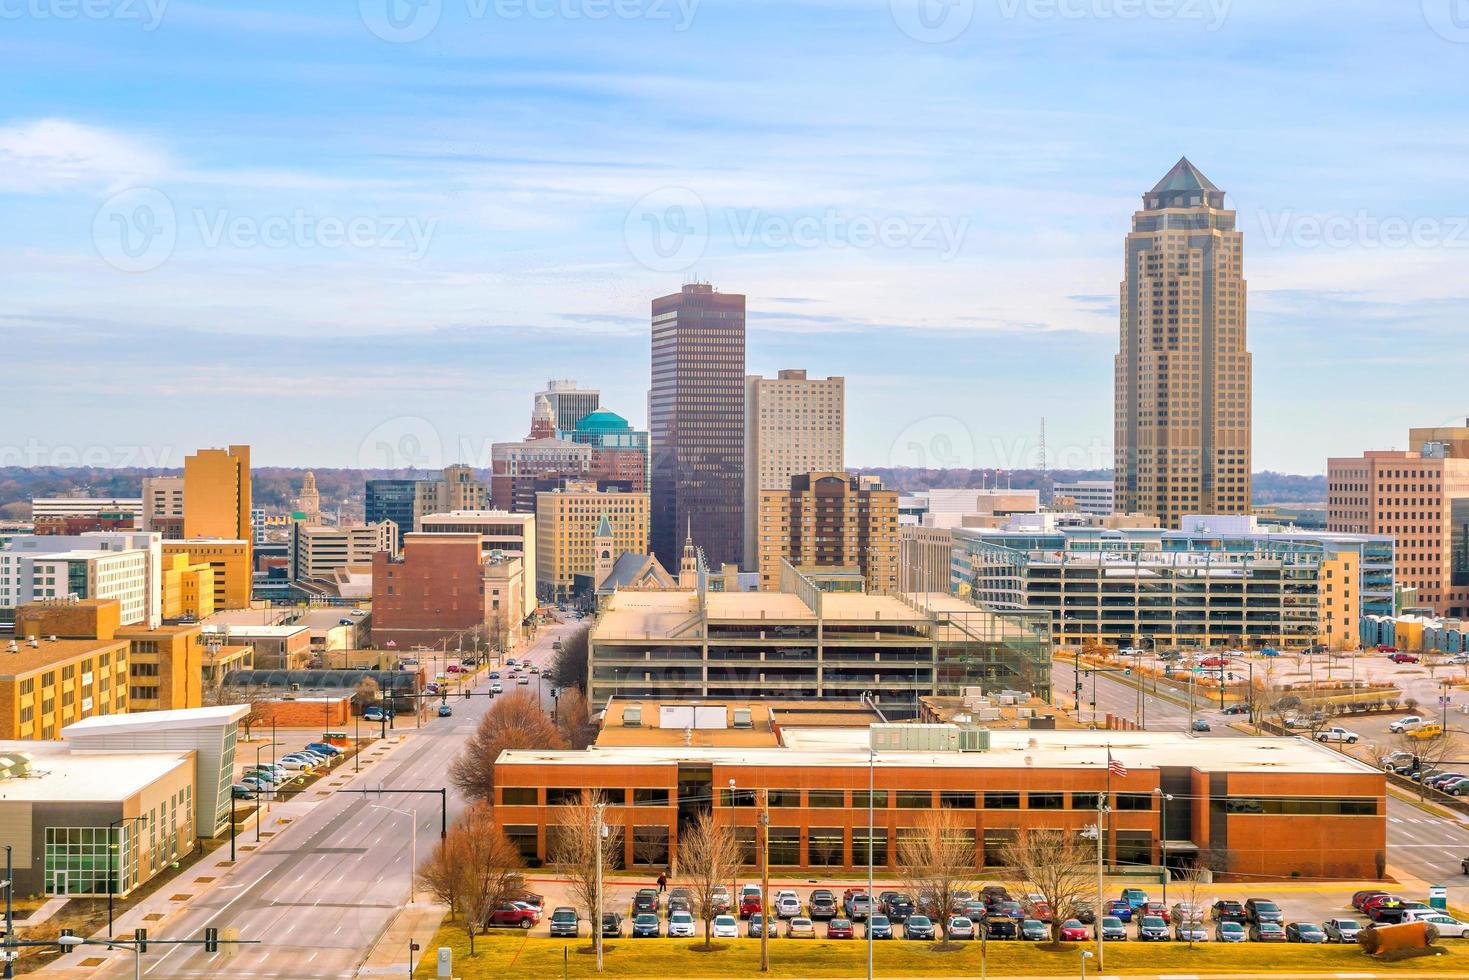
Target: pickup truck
{"type": "Point", "coordinates": [1336, 734]}
{"type": "Point", "coordinates": [1405, 724]}
{"type": "Point", "coordinates": [512, 915]}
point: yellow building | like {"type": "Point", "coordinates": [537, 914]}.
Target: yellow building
{"type": "Point", "coordinates": [217, 495]}
{"type": "Point", "coordinates": [47, 684]}
{"type": "Point", "coordinates": [1340, 600]}
{"type": "Point", "coordinates": [229, 563]}
{"type": "Point", "coordinates": [566, 525]}
{"type": "Point", "coordinates": [188, 588]}
{"type": "Point", "coordinates": [831, 520]}
{"type": "Point", "coordinates": [165, 667]}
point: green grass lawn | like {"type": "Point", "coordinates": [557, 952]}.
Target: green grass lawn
{"type": "Point", "coordinates": [502, 955]}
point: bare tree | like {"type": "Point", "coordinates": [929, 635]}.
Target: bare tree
{"type": "Point", "coordinates": [258, 698]}
{"type": "Point", "coordinates": [442, 875]}
{"type": "Point", "coordinates": [1190, 882]}
{"type": "Point", "coordinates": [938, 860]}
{"type": "Point", "coordinates": [1430, 753]}
{"type": "Point", "coordinates": [569, 669]}
{"type": "Point", "coordinates": [573, 852]}
{"type": "Point", "coordinates": [708, 858]}
{"type": "Point", "coordinates": [515, 721]}
{"type": "Point", "coordinates": [574, 718]}
{"type": "Point", "coordinates": [1056, 865]}
{"type": "Point", "coordinates": [490, 866]}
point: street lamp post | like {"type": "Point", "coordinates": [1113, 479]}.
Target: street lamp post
{"type": "Point", "coordinates": [266, 787]}
{"type": "Point", "coordinates": [1163, 799]}
{"type": "Point", "coordinates": [412, 816]}
{"type": "Point", "coordinates": [1086, 954]}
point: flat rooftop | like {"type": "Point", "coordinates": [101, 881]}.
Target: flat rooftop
{"type": "Point", "coordinates": [1079, 750]}
{"type": "Point", "coordinates": [765, 717]}
{"type": "Point", "coordinates": [28, 659]}
{"type": "Point", "coordinates": [59, 774]}
{"type": "Point", "coordinates": [246, 630]}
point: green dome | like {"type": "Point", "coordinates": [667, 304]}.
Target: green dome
{"type": "Point", "coordinates": [603, 420]}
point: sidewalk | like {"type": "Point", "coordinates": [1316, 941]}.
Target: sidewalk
{"type": "Point", "coordinates": [415, 923]}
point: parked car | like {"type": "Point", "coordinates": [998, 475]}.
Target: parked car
{"type": "Point", "coordinates": [1228, 910]}
{"type": "Point", "coordinates": [878, 927]}
{"type": "Point", "coordinates": [1186, 912]}
{"type": "Point", "coordinates": [839, 928]}
{"type": "Point", "coordinates": [1404, 724]}
{"type": "Point", "coordinates": [898, 907]}
{"type": "Point", "coordinates": [1304, 932]}
{"type": "Point", "coordinates": [537, 902]}
{"type": "Point", "coordinates": [1259, 910]}
{"type": "Point", "coordinates": [856, 903]}
{"type": "Point", "coordinates": [959, 927]}
{"type": "Point", "coordinates": [678, 903]}
{"type": "Point", "coordinates": [993, 895]}
{"type": "Point", "coordinates": [1011, 910]}
{"type": "Point", "coordinates": [1337, 734]}
{"type": "Point", "coordinates": [1190, 931]}
{"type": "Point", "coordinates": [1384, 909]}
{"type": "Point", "coordinates": [1073, 931]}
{"type": "Point", "coordinates": [1447, 924]}
{"type": "Point", "coordinates": [1437, 780]}
{"type": "Point", "coordinates": [726, 927]}
{"type": "Point", "coordinates": [1037, 908]}
{"type": "Point", "coordinates": [515, 915]}
{"type": "Point", "coordinates": [296, 765]}
{"type": "Point", "coordinates": [1404, 658]}
{"type": "Point", "coordinates": [1083, 912]}
{"type": "Point", "coordinates": [719, 899]}
{"type": "Point", "coordinates": [800, 928]}
{"type": "Point", "coordinates": [1158, 909]}
{"type": "Point", "coordinates": [1113, 931]}
{"type": "Point", "coordinates": [1152, 929]}
{"type": "Point", "coordinates": [1359, 898]}
{"type": "Point", "coordinates": [242, 791]}
{"type": "Point", "coordinates": [1267, 932]}
{"type": "Point", "coordinates": [1134, 897]}
{"type": "Point", "coordinates": [750, 901]}
{"type": "Point", "coordinates": [646, 925]}
{"type": "Point", "coordinates": [1386, 648]}
{"type": "Point", "coordinates": [787, 905]}
{"type": "Point", "coordinates": [918, 927]}
{"type": "Point", "coordinates": [1341, 930]}
{"type": "Point", "coordinates": [823, 905]}
{"type": "Point", "coordinates": [1002, 927]}
{"type": "Point", "coordinates": [1119, 908]}
{"type": "Point", "coordinates": [1034, 930]}
{"type": "Point", "coordinates": [1229, 931]}
{"type": "Point", "coordinates": [1215, 662]}
{"type": "Point", "coordinates": [326, 747]}
{"type": "Point", "coordinates": [611, 925]}
{"type": "Point", "coordinates": [564, 922]}
{"type": "Point", "coordinates": [645, 902]}
{"type": "Point", "coordinates": [680, 925]}
{"type": "Point", "coordinates": [760, 923]}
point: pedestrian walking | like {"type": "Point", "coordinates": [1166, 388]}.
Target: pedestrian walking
{"type": "Point", "coordinates": [662, 882]}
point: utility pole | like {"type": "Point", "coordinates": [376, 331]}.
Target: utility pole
{"type": "Point", "coordinates": [765, 882]}
{"type": "Point", "coordinates": [597, 925]}
{"type": "Point", "coordinates": [1101, 886]}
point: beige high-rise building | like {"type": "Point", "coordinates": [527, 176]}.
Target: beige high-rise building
{"type": "Point", "coordinates": [831, 520]}
{"type": "Point", "coordinates": [1183, 374]}
{"type": "Point", "coordinates": [458, 489]}
{"type": "Point", "coordinates": [163, 505]}
{"type": "Point", "coordinates": [793, 425]}
{"type": "Point", "coordinates": [569, 522]}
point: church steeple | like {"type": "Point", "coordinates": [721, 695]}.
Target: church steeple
{"type": "Point", "coordinates": [688, 566]}
{"type": "Point", "coordinates": [603, 552]}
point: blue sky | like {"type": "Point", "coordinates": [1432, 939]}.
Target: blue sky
{"type": "Point", "coordinates": [324, 230]}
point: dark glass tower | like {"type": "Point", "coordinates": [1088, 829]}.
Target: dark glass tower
{"type": "Point", "coordinates": [696, 411]}
{"type": "Point", "coordinates": [391, 500]}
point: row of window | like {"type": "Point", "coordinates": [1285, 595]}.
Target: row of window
{"type": "Point", "coordinates": [837, 799]}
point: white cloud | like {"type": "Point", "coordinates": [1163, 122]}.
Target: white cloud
{"type": "Point", "coordinates": [48, 155]}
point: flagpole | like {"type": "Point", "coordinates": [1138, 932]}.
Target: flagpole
{"type": "Point", "coordinates": [1101, 837]}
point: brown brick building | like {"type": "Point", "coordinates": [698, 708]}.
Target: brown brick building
{"type": "Point", "coordinates": [830, 520]}
{"type": "Point", "coordinates": [444, 584]}
{"type": "Point", "coordinates": [1257, 806]}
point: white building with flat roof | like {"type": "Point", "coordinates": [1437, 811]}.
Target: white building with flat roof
{"type": "Point", "coordinates": [86, 507]}
{"type": "Point", "coordinates": [1091, 496]}
{"type": "Point", "coordinates": [126, 566]}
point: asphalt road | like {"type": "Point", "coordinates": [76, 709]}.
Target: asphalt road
{"type": "Point", "coordinates": [324, 890]}
{"type": "Point", "coordinates": [1113, 696]}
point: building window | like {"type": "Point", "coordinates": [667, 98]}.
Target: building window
{"type": "Point", "coordinates": [737, 797]}
{"type": "Point", "coordinates": [1085, 801]}
{"type": "Point", "coordinates": [1002, 801]}
{"type": "Point", "coordinates": [826, 798]}
{"type": "Point", "coordinates": [518, 796]}
{"type": "Point", "coordinates": [650, 797]}
{"type": "Point", "coordinates": [914, 800]}
{"type": "Point", "coordinates": [784, 797]}
{"type": "Point", "coordinates": [879, 799]}
{"type": "Point", "coordinates": [1046, 801]}
{"type": "Point", "coordinates": [1134, 801]}
{"type": "Point", "coordinates": [650, 846]}
{"type": "Point", "coordinates": [563, 795]}
{"type": "Point", "coordinates": [824, 846]}
{"type": "Point", "coordinates": [523, 836]}
{"type": "Point", "coordinates": [785, 845]}
{"type": "Point", "coordinates": [956, 801]}
{"type": "Point", "coordinates": [879, 846]}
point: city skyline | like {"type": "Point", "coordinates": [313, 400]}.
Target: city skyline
{"type": "Point", "coordinates": [1032, 161]}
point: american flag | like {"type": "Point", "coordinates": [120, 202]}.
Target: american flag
{"type": "Point", "coordinates": [1115, 767]}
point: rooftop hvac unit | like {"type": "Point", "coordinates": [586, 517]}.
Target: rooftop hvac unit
{"type": "Point", "coordinates": [708, 716]}
{"type": "Point", "coordinates": [632, 716]}
{"type": "Point", "coordinates": [742, 718]}
{"type": "Point", "coordinates": [914, 738]}
{"type": "Point", "coordinates": [972, 739]}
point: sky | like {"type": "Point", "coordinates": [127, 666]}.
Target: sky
{"type": "Point", "coordinates": [365, 233]}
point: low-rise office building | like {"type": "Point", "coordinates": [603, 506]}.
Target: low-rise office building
{"type": "Point", "coordinates": [46, 683]}
{"type": "Point", "coordinates": [276, 647]}
{"type": "Point", "coordinates": [318, 551]}
{"type": "Point", "coordinates": [802, 642]}
{"type": "Point", "coordinates": [1254, 807]}
{"type": "Point", "coordinates": [499, 531]}
{"type": "Point", "coordinates": [126, 566]}
{"type": "Point", "coordinates": [230, 561]}
{"type": "Point", "coordinates": [569, 524]}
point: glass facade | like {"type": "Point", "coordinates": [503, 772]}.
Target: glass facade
{"type": "Point", "coordinates": [79, 860]}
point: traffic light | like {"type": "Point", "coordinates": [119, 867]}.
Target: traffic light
{"type": "Point", "coordinates": [63, 934]}
{"type": "Point", "coordinates": [211, 940]}
{"type": "Point", "coordinates": [141, 935]}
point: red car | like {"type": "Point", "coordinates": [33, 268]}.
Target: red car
{"type": "Point", "coordinates": [1214, 662]}
{"type": "Point", "coordinates": [1362, 896]}
{"type": "Point", "coordinates": [749, 904]}
{"type": "Point", "coordinates": [1404, 658]}
{"type": "Point", "coordinates": [1072, 931]}
{"type": "Point", "coordinates": [1158, 909]}
{"type": "Point", "coordinates": [1376, 901]}
{"type": "Point", "coordinates": [1386, 648]}
{"type": "Point", "coordinates": [840, 929]}
{"type": "Point", "coordinates": [1037, 908]}
{"type": "Point", "coordinates": [512, 915]}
